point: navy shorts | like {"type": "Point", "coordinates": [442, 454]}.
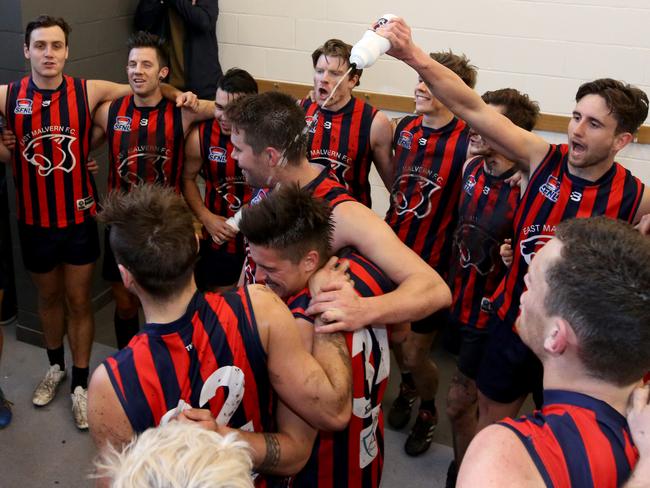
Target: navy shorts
{"type": "Point", "coordinates": [509, 369]}
{"type": "Point", "coordinates": [44, 248]}
{"type": "Point", "coordinates": [468, 343]}
{"type": "Point", "coordinates": [434, 322]}
{"type": "Point", "coordinates": [216, 267]}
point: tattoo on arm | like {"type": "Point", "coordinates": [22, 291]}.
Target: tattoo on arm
{"type": "Point", "coordinates": [272, 457]}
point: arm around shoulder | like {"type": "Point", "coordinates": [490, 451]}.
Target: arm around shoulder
{"type": "Point", "coordinates": [420, 291]}
{"type": "Point", "coordinates": [319, 391]}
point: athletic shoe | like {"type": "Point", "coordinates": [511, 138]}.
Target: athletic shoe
{"type": "Point", "coordinates": [452, 474]}
{"type": "Point", "coordinates": [421, 434]}
{"type": "Point", "coordinates": [5, 411]}
{"type": "Point", "coordinates": [399, 414]}
{"type": "Point", "coordinates": [80, 407]}
{"type": "Point", "coordinates": [46, 389]}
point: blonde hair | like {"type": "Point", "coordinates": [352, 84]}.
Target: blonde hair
{"type": "Point", "coordinates": [178, 455]}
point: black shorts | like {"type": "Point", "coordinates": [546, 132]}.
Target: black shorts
{"type": "Point", "coordinates": [509, 369]}
{"type": "Point", "coordinates": [216, 267]}
{"type": "Point", "coordinates": [434, 322]}
{"type": "Point", "coordinates": [43, 249]}
{"type": "Point", "coordinates": [468, 343]}
{"type": "Point", "coordinates": [110, 271]}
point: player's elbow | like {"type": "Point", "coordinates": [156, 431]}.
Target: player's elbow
{"type": "Point", "coordinates": [338, 419]}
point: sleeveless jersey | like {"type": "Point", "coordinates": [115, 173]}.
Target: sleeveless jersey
{"type": "Point", "coordinates": [577, 440]}
{"type": "Point", "coordinates": [145, 144]}
{"type": "Point", "coordinates": [485, 212]}
{"type": "Point", "coordinates": [341, 140]}
{"type": "Point", "coordinates": [354, 457]}
{"type": "Point", "coordinates": [323, 186]}
{"type": "Point", "coordinates": [226, 190]}
{"type": "Point", "coordinates": [554, 195]}
{"type": "Point", "coordinates": [52, 128]}
{"type": "Point", "coordinates": [424, 197]}
{"type": "Point", "coordinates": [214, 345]}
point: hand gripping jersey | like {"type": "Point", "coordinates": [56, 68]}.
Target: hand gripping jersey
{"type": "Point", "coordinates": [577, 440]}
{"type": "Point", "coordinates": [323, 186]}
{"type": "Point", "coordinates": [424, 197]}
{"type": "Point", "coordinates": [354, 457]}
{"type": "Point", "coordinates": [341, 140]}
{"type": "Point", "coordinates": [52, 128]}
{"type": "Point", "coordinates": [554, 195]}
{"type": "Point", "coordinates": [145, 144]}
{"type": "Point", "coordinates": [226, 190]}
{"type": "Point", "coordinates": [485, 212]}
{"type": "Point", "coordinates": [211, 357]}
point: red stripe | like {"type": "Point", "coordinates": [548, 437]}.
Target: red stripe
{"type": "Point", "coordinates": [112, 363]}
{"type": "Point", "coordinates": [181, 363]}
{"type": "Point", "coordinates": [597, 446]}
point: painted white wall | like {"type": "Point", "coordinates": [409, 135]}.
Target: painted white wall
{"type": "Point", "coordinates": [545, 48]}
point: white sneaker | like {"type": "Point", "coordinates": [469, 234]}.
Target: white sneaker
{"type": "Point", "coordinates": [80, 407]}
{"type": "Point", "coordinates": [46, 389]}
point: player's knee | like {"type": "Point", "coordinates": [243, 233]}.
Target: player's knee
{"type": "Point", "coordinates": [399, 333]}
{"type": "Point", "coordinates": [48, 299]}
{"type": "Point", "coordinates": [461, 398]}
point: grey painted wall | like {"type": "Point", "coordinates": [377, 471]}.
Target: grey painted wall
{"type": "Point", "coordinates": [97, 51]}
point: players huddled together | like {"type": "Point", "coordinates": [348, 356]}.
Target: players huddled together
{"type": "Point", "coordinates": [272, 294]}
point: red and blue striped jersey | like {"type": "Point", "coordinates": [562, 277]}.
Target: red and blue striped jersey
{"type": "Point", "coordinates": [424, 198]}
{"type": "Point", "coordinates": [323, 186]}
{"type": "Point", "coordinates": [554, 195]}
{"type": "Point", "coordinates": [145, 144]}
{"type": "Point", "coordinates": [341, 140]}
{"type": "Point", "coordinates": [354, 457]}
{"type": "Point", "coordinates": [485, 212]}
{"type": "Point", "coordinates": [226, 190]}
{"type": "Point", "coordinates": [214, 345]}
{"type": "Point", "coordinates": [577, 440]}
{"type": "Point", "coordinates": [53, 186]}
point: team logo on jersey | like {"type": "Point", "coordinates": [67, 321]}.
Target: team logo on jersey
{"type": "Point", "coordinates": [122, 123]}
{"type": "Point", "coordinates": [339, 170]}
{"type": "Point", "coordinates": [470, 183]}
{"type": "Point", "coordinates": [529, 247]}
{"type": "Point", "coordinates": [551, 189]}
{"type": "Point", "coordinates": [476, 248]}
{"type": "Point", "coordinates": [312, 122]}
{"type": "Point", "coordinates": [405, 139]}
{"type": "Point", "coordinates": [23, 106]}
{"type": "Point", "coordinates": [228, 192]}
{"type": "Point", "coordinates": [154, 169]}
{"type": "Point", "coordinates": [58, 146]}
{"type": "Point", "coordinates": [259, 196]}
{"type": "Point", "coordinates": [217, 154]}
{"type": "Point", "coordinates": [421, 191]}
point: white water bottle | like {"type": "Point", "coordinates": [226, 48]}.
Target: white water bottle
{"type": "Point", "coordinates": [234, 221]}
{"type": "Point", "coordinates": [371, 45]}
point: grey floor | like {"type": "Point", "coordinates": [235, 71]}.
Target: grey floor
{"type": "Point", "coordinates": [42, 447]}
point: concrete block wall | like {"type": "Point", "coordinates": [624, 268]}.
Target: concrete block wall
{"type": "Point", "coordinates": [545, 48]}
{"type": "Point", "coordinates": [97, 51]}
